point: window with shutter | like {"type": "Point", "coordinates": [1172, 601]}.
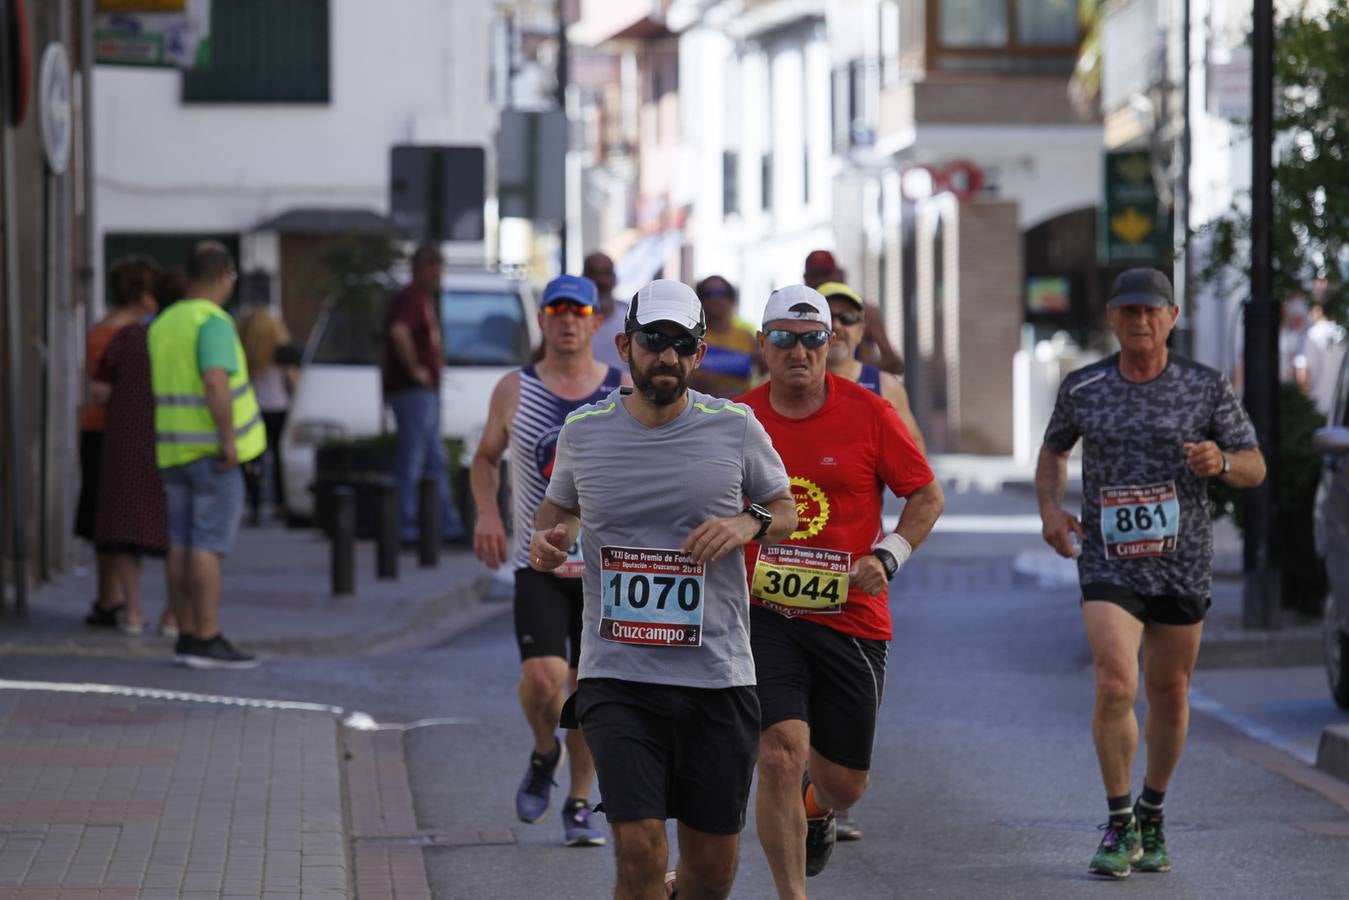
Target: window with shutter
{"type": "Point", "coordinates": [264, 51]}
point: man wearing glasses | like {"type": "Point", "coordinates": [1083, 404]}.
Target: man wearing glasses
{"type": "Point", "coordinates": [820, 619]}
{"type": "Point", "coordinates": [526, 413]}
{"type": "Point", "coordinates": [732, 363]}
{"type": "Point", "coordinates": [849, 320]}
{"type": "Point", "coordinates": [657, 475]}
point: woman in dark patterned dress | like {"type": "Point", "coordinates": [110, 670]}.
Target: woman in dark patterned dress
{"type": "Point", "coordinates": [132, 518]}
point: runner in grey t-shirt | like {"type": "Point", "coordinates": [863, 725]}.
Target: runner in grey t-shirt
{"type": "Point", "coordinates": [1156, 535]}
{"type": "Point", "coordinates": [1154, 429]}
{"type": "Point", "coordinates": [655, 479]}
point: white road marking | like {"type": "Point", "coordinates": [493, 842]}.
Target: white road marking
{"type": "Point", "coordinates": [355, 720]}
{"type": "Point", "coordinates": [1249, 727]}
{"type": "Point", "coordinates": [975, 524]}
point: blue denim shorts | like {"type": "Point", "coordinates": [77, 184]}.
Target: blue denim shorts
{"type": "Point", "coordinates": [204, 505]}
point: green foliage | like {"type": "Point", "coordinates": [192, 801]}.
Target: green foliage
{"type": "Point", "coordinates": [1299, 473]}
{"type": "Point", "coordinates": [358, 267]}
{"type": "Point", "coordinates": [1311, 190]}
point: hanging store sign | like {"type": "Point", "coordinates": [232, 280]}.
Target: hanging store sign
{"type": "Point", "coordinates": [54, 105]}
{"type": "Point", "coordinates": [168, 35]}
{"type": "Point", "coordinates": [1229, 86]}
{"type": "Point", "coordinates": [962, 178]}
{"type": "Point", "coordinates": [1135, 227]}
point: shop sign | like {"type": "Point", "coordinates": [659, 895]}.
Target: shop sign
{"type": "Point", "coordinates": [1135, 227]}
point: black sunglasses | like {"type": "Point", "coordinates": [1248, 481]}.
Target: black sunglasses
{"type": "Point", "coordinates": [658, 341]}
{"type": "Point", "coordinates": [848, 318]}
{"type": "Point", "coordinates": [786, 340]}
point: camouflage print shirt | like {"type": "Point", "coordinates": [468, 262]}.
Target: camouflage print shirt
{"type": "Point", "coordinates": [1146, 515]}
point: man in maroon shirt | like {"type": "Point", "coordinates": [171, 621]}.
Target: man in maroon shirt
{"type": "Point", "coordinates": [412, 364]}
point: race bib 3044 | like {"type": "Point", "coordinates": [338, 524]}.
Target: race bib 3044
{"type": "Point", "coordinates": [651, 597]}
{"type": "Point", "coordinates": [794, 580]}
{"type": "Point", "coordinates": [1139, 520]}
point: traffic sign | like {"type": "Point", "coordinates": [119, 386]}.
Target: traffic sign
{"type": "Point", "coordinates": [437, 193]}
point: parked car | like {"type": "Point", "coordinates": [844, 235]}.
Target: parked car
{"type": "Point", "coordinates": [1331, 514]}
{"type": "Point", "coordinates": [489, 327]}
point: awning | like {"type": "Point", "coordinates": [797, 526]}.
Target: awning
{"type": "Point", "coordinates": [604, 20]}
{"type": "Point", "coordinates": [327, 221]}
{"type": "Point", "coordinates": [644, 260]}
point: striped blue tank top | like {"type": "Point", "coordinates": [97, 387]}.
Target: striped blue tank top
{"type": "Point", "coordinates": [533, 447]}
{"type": "Point", "coordinates": [870, 378]}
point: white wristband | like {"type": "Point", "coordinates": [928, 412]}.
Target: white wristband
{"type": "Point", "coordinates": [899, 548]}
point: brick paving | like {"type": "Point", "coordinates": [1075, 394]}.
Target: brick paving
{"type": "Point", "coordinates": [380, 799]}
{"type": "Point", "coordinates": [118, 797]}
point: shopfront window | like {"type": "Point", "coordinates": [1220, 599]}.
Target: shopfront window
{"type": "Point", "coordinates": [1006, 24]}
{"type": "Point", "coordinates": [1046, 23]}
{"type": "Point", "coordinates": [974, 23]}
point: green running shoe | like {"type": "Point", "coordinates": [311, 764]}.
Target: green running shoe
{"type": "Point", "coordinates": [1154, 858]}
{"type": "Point", "coordinates": [1119, 848]}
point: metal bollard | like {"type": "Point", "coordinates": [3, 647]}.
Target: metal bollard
{"type": "Point", "coordinates": [386, 538]}
{"type": "Point", "coordinates": [428, 523]}
{"type": "Point", "coordinates": [344, 541]}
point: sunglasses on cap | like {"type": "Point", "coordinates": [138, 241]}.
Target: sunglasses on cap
{"type": "Point", "coordinates": [658, 341]}
{"type": "Point", "coordinates": [580, 310]}
{"type": "Point", "coordinates": [786, 340]}
{"type": "Point", "coordinates": [848, 318]}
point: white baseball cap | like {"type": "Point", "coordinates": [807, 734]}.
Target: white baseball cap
{"type": "Point", "coordinates": [800, 303]}
{"type": "Point", "coordinates": [664, 300]}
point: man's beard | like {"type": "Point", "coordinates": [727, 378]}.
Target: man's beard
{"type": "Point", "coordinates": [660, 396]}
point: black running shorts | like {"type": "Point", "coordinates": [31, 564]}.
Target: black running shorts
{"type": "Point", "coordinates": [1165, 609]}
{"type": "Point", "coordinates": [671, 752]}
{"type": "Point", "coordinates": [830, 680]}
{"type": "Point", "coordinates": [548, 615]}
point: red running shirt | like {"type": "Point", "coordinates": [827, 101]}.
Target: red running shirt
{"type": "Point", "coordinates": [840, 459]}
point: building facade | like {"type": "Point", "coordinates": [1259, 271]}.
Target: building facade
{"type": "Point", "coordinates": [930, 144]}
{"type": "Point", "coordinates": [281, 145]}
{"type": "Point", "coordinates": [46, 287]}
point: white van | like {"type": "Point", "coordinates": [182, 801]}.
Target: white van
{"type": "Point", "coordinates": [489, 327]}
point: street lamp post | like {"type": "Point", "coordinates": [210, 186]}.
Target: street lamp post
{"type": "Point", "coordinates": [1261, 588]}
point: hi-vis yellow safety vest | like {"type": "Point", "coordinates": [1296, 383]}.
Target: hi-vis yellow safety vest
{"type": "Point", "coordinates": [184, 429]}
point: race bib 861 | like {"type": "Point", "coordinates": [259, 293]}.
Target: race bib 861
{"type": "Point", "coordinates": [1139, 520]}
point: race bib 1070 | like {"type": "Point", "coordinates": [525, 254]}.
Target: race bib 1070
{"type": "Point", "coordinates": [1139, 520]}
{"type": "Point", "coordinates": [651, 597]}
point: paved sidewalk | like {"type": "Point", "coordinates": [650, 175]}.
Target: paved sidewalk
{"type": "Point", "coordinates": [121, 797]}
{"type": "Point", "coordinates": [276, 600]}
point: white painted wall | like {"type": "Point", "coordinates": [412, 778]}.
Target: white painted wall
{"type": "Point", "coordinates": [411, 71]}
{"type": "Point", "coordinates": [756, 98]}
{"type": "Point", "coordinates": [1219, 174]}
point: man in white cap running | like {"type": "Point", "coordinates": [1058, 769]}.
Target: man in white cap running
{"type": "Point", "coordinates": [658, 476]}
{"type": "Point", "coordinates": [821, 616]}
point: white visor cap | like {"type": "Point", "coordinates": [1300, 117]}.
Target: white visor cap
{"type": "Point", "coordinates": [800, 303]}
{"type": "Point", "coordinates": [664, 300]}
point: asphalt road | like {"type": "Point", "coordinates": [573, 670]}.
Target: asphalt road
{"type": "Point", "coordinates": [985, 784]}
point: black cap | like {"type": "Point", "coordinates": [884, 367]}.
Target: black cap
{"type": "Point", "coordinates": [1140, 287]}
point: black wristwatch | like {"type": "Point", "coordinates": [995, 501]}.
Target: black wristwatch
{"type": "Point", "coordinates": [762, 516]}
{"type": "Point", "coordinates": [1227, 465]}
{"type": "Point", "coordinates": [888, 561]}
